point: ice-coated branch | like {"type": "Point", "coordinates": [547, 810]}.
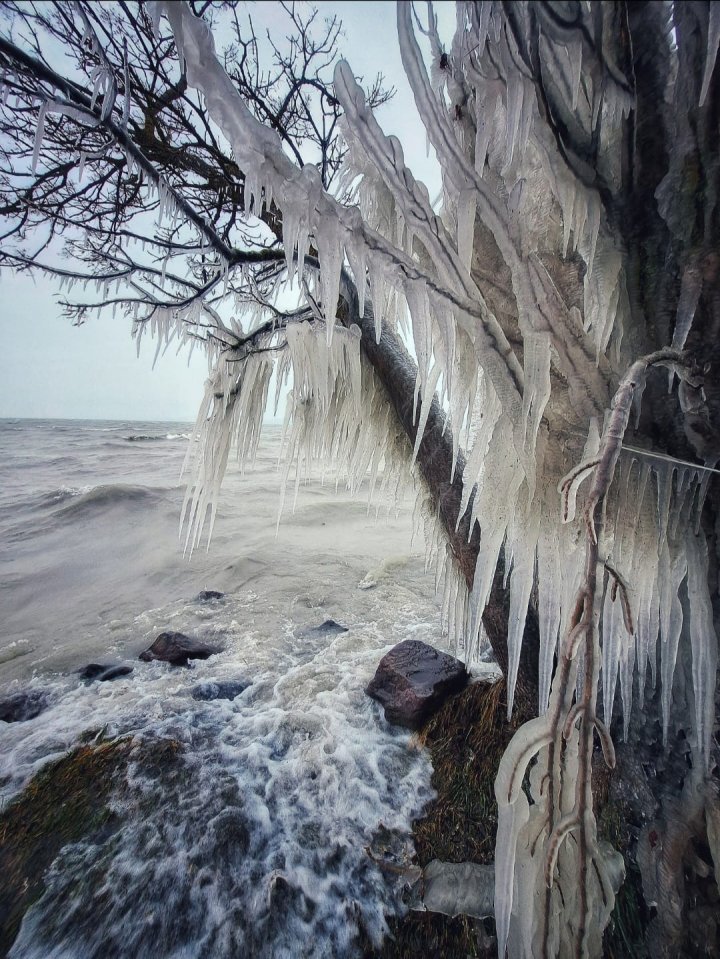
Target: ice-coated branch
{"type": "Point", "coordinates": [614, 432]}
{"type": "Point", "coordinates": [77, 99]}
{"type": "Point", "coordinates": [306, 207]}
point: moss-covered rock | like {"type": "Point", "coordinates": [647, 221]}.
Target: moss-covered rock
{"type": "Point", "coordinates": [68, 800]}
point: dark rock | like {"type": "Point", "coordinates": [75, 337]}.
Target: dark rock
{"type": "Point", "coordinates": [177, 649]}
{"type": "Point", "coordinates": [96, 671]}
{"type": "Point", "coordinates": [208, 595]}
{"type": "Point", "coordinates": [22, 706]}
{"type": "Point", "coordinates": [114, 672]}
{"type": "Point", "coordinates": [413, 680]}
{"type": "Point", "coordinates": [92, 671]}
{"type": "Point", "coordinates": [328, 628]}
{"type": "Point", "coordinates": [229, 689]}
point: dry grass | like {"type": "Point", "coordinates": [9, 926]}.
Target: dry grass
{"type": "Point", "coordinates": [466, 739]}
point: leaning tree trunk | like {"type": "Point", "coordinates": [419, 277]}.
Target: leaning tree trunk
{"type": "Point", "coordinates": [397, 372]}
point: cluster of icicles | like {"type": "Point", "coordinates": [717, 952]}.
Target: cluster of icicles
{"type": "Point", "coordinates": [337, 419]}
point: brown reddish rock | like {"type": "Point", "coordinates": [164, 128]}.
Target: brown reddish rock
{"type": "Point", "coordinates": [413, 680]}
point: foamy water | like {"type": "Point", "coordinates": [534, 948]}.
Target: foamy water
{"type": "Point", "coordinates": [259, 847]}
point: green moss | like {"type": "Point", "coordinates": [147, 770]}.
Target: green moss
{"type": "Point", "coordinates": [466, 740]}
{"type": "Point", "coordinates": [434, 936]}
{"type": "Point", "coordinates": [625, 934]}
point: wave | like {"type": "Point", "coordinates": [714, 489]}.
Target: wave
{"type": "Point", "coordinates": [112, 494]}
{"type": "Point", "coordinates": [146, 438]}
{"type": "Point", "coordinates": [64, 493]}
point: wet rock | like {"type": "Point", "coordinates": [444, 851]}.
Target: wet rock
{"type": "Point", "coordinates": [413, 680]}
{"type": "Point", "coordinates": [96, 671]}
{"type": "Point", "coordinates": [228, 689]}
{"type": "Point", "coordinates": [177, 649]}
{"type": "Point", "coordinates": [328, 628]}
{"type": "Point", "coordinates": [208, 596]}
{"type": "Point", "coordinates": [22, 706]}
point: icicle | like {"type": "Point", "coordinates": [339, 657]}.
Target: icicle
{"type": "Point", "coordinates": [484, 131]}
{"type": "Point", "coordinates": [637, 402]}
{"type": "Point", "coordinates": [571, 483]}
{"type": "Point", "coordinates": [537, 388]}
{"type": "Point", "coordinates": [522, 537]}
{"type": "Point", "coordinates": [483, 25]}
{"type": "Point", "coordinates": [514, 106]}
{"type": "Point", "coordinates": [495, 503]}
{"type": "Point", "coordinates": [428, 395]}
{"type": "Point", "coordinates": [549, 581]}
{"type": "Point", "coordinates": [38, 136]}
{"type": "Point", "coordinates": [703, 641]}
{"type": "Point", "coordinates": [672, 572]}
{"type": "Point", "coordinates": [416, 295]}
{"type": "Point", "coordinates": [690, 290]}
{"type": "Point", "coordinates": [515, 200]}
{"type": "Point", "coordinates": [664, 475]}
{"type": "Point", "coordinates": [713, 41]}
{"type": "Point", "coordinates": [612, 638]}
{"type": "Point", "coordinates": [466, 226]}
{"type": "Point", "coordinates": [574, 52]}
{"type": "Point", "coordinates": [330, 253]}
{"type": "Point", "coordinates": [357, 257]}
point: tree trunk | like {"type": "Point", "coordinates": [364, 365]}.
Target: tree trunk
{"type": "Point", "coordinates": [397, 372]}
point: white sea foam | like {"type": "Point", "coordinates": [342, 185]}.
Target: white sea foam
{"type": "Point", "coordinates": [256, 843]}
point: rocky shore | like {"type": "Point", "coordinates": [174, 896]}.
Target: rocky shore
{"type": "Point", "coordinates": [461, 723]}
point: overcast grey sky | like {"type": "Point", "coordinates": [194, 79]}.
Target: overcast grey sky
{"type": "Point", "coordinates": [48, 368]}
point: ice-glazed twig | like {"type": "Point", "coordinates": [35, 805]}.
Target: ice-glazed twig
{"type": "Point", "coordinates": [562, 741]}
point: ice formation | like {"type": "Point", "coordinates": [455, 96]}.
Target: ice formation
{"type": "Point", "coordinates": [496, 267]}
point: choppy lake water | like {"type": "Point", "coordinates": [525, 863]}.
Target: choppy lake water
{"type": "Point", "coordinates": [259, 848]}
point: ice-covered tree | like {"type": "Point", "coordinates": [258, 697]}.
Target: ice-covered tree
{"type": "Point", "coordinates": [561, 300]}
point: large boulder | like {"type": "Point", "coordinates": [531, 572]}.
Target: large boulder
{"type": "Point", "coordinates": [177, 649]}
{"type": "Point", "coordinates": [413, 680]}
